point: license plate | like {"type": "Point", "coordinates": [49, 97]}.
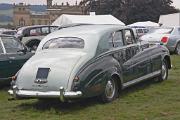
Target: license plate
{"type": "Point", "coordinates": [42, 73]}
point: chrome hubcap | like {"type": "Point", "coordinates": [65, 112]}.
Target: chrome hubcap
{"type": "Point", "coordinates": [110, 89]}
{"type": "Point", "coordinates": [164, 71]}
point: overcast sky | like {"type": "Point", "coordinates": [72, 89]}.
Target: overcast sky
{"type": "Point", "coordinates": [176, 2]}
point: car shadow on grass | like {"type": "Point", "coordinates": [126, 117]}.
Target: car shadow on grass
{"type": "Point", "coordinates": [67, 107]}
{"type": "Point", "coordinates": [57, 106]}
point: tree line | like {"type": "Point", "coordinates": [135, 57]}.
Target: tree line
{"type": "Point", "coordinates": [130, 11]}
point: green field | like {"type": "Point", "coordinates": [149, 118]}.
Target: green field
{"type": "Point", "coordinates": [146, 101]}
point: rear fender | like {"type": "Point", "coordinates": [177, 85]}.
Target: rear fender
{"type": "Point", "coordinates": [94, 76]}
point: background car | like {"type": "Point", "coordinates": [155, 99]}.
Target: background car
{"type": "Point", "coordinates": [13, 54]}
{"type": "Point", "coordinates": [32, 35]}
{"type": "Point", "coordinates": [8, 32]}
{"type": "Point", "coordinates": [169, 36]}
{"type": "Point", "coordinates": [87, 61]}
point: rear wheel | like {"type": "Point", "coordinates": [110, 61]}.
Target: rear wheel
{"type": "Point", "coordinates": [110, 91]}
{"type": "Point", "coordinates": [164, 71]}
{"type": "Point", "coordinates": [177, 51]}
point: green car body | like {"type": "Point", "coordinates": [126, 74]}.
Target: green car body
{"type": "Point", "coordinates": [106, 59]}
{"type": "Point", "coordinates": [12, 57]}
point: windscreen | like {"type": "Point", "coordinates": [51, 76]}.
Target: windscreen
{"type": "Point", "coordinates": [66, 42]}
{"type": "Point", "coordinates": [11, 44]}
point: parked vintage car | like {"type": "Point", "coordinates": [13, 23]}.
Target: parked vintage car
{"type": "Point", "coordinates": [8, 32]}
{"type": "Point", "coordinates": [32, 35]}
{"type": "Point", "coordinates": [89, 60]}
{"type": "Point", "coordinates": [13, 54]}
{"type": "Point", "coordinates": [169, 36]}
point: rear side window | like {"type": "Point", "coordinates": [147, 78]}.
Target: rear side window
{"type": "Point", "coordinates": [129, 39]}
{"type": "Point", "coordinates": [118, 39]}
{"type": "Point", "coordinates": [35, 32]}
{"type": "Point", "coordinates": [67, 42]}
{"type": "Point", "coordinates": [45, 30]}
{"type": "Point", "coordinates": [11, 45]}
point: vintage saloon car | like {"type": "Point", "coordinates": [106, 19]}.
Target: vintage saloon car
{"type": "Point", "coordinates": [32, 35]}
{"type": "Point", "coordinates": [13, 54]}
{"type": "Point", "coordinates": [89, 60]}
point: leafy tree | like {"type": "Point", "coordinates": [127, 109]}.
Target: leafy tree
{"type": "Point", "coordinates": [130, 11]}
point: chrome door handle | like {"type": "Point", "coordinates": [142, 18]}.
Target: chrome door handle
{"type": "Point", "coordinates": [11, 58]}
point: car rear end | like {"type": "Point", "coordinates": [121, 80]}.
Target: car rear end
{"type": "Point", "coordinates": [159, 36]}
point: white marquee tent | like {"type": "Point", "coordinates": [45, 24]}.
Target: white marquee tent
{"type": "Point", "coordinates": [86, 19]}
{"type": "Point", "coordinates": [144, 24]}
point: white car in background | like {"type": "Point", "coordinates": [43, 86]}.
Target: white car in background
{"type": "Point", "coordinates": [168, 36]}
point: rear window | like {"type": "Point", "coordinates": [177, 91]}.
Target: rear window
{"type": "Point", "coordinates": [67, 42]}
{"type": "Point", "coordinates": [35, 32]}
{"type": "Point", "coordinates": [163, 30]}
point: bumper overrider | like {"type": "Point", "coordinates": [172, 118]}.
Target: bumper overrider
{"type": "Point", "coordinates": [61, 94]}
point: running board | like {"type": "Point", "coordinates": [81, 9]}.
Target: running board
{"type": "Point", "coordinates": [127, 84]}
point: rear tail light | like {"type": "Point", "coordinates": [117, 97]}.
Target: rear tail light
{"type": "Point", "coordinates": [164, 39]}
{"type": "Point", "coordinates": [13, 78]}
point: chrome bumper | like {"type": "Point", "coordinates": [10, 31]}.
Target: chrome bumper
{"type": "Point", "coordinates": [62, 94]}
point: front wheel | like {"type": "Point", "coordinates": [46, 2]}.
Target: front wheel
{"type": "Point", "coordinates": [110, 92]}
{"type": "Point", "coordinates": [164, 71]}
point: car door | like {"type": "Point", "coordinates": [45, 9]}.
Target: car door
{"type": "Point", "coordinates": [3, 62]}
{"type": "Point", "coordinates": [131, 49]}
{"type": "Point", "coordinates": [139, 59]}
{"type": "Point", "coordinates": [124, 52]}
{"type": "Point", "coordinates": [138, 62]}
{"type": "Point", "coordinates": [15, 57]}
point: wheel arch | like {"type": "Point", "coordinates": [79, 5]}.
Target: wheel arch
{"type": "Point", "coordinates": [31, 42]}
{"type": "Point", "coordinates": [168, 59]}
{"type": "Point", "coordinates": [118, 78]}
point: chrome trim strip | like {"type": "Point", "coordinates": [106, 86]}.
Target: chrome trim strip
{"type": "Point", "coordinates": [125, 85]}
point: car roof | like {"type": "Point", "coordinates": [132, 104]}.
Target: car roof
{"type": "Point", "coordinates": [92, 34]}
{"type": "Point", "coordinates": [35, 26]}
{"type": "Point", "coordinates": [89, 28]}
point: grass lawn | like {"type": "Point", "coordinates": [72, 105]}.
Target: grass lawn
{"type": "Point", "coordinates": [145, 101]}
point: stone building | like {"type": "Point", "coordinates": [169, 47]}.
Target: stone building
{"type": "Point", "coordinates": [23, 16]}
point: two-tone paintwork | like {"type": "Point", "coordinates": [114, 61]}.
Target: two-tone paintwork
{"type": "Point", "coordinates": [93, 65]}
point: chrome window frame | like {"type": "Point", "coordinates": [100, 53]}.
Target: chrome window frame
{"type": "Point", "coordinates": [3, 48]}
